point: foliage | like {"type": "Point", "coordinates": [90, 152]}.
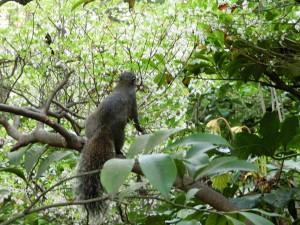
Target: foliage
{"type": "Point", "coordinates": [273, 142]}
{"type": "Point", "coordinates": [207, 72]}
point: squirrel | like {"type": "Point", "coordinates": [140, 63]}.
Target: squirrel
{"type": "Point", "coordinates": [105, 132]}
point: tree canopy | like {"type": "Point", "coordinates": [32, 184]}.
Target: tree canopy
{"type": "Point", "coordinates": [218, 93]}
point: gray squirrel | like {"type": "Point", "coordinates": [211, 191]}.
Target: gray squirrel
{"type": "Point", "coordinates": [105, 132]}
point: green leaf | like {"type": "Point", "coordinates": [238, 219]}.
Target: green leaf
{"type": "Point", "coordinates": [138, 145]}
{"type": "Point", "coordinates": [252, 70]}
{"type": "Point", "coordinates": [190, 222]}
{"type": "Point", "coordinates": [155, 220]}
{"type": "Point", "coordinates": [225, 164]}
{"type": "Point", "coordinates": [233, 68]}
{"type": "Point", "coordinates": [199, 139]}
{"type": "Point", "coordinates": [216, 219]}
{"type": "Point", "coordinates": [247, 202]}
{"type": "Point", "coordinates": [32, 156]}
{"type": "Point", "coordinates": [269, 124]}
{"type": "Point", "coordinates": [114, 174]}
{"type": "Point", "coordinates": [160, 79]}
{"type": "Point", "coordinates": [160, 58]}
{"type": "Point", "coordinates": [269, 129]}
{"type": "Point", "coordinates": [219, 58]}
{"type": "Point", "coordinates": [181, 168]}
{"type": "Point", "coordinates": [234, 221]}
{"type": "Point", "coordinates": [221, 181]}
{"type": "Point", "coordinates": [148, 61]}
{"type": "Point", "coordinates": [80, 2]}
{"type": "Point", "coordinates": [15, 157]}
{"type": "Point", "coordinates": [280, 197]}
{"type": "Point", "coordinates": [289, 130]}
{"type": "Point", "coordinates": [245, 144]}
{"type": "Point", "coordinates": [199, 149]}
{"type": "Point", "coordinates": [149, 141]}
{"type": "Point", "coordinates": [158, 137]}
{"type": "Point", "coordinates": [54, 156]}
{"type": "Point", "coordinates": [256, 219]}
{"type": "Point", "coordinates": [219, 35]}
{"type": "Point", "coordinates": [160, 170]}
{"type": "Point", "coordinates": [260, 211]}
{"type": "Point", "coordinates": [15, 171]}
{"type": "Point", "coordinates": [191, 194]}
{"type": "Point", "coordinates": [197, 162]}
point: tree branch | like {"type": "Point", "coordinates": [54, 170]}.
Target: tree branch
{"type": "Point", "coordinates": [67, 74]}
{"type": "Point", "coordinates": [279, 84]}
{"type": "Point", "coordinates": [205, 193]}
{"type": "Point", "coordinates": [11, 131]}
{"type": "Point", "coordinates": [64, 138]}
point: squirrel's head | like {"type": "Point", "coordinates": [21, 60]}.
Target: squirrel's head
{"type": "Point", "coordinates": [127, 78]}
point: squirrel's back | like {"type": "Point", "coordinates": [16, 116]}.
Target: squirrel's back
{"type": "Point", "coordinates": [113, 111]}
{"type": "Point", "coordinates": [105, 131]}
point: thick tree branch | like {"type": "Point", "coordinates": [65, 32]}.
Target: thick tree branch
{"type": "Point", "coordinates": [279, 84]}
{"type": "Point", "coordinates": [64, 138]}
{"type": "Point", "coordinates": [205, 193]}
{"type": "Point", "coordinates": [11, 131]}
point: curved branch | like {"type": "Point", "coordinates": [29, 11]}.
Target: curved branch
{"type": "Point", "coordinates": [11, 131]}
{"type": "Point", "coordinates": [64, 139]}
{"type": "Point", "coordinates": [67, 74]}
{"type": "Point", "coordinates": [51, 139]}
{"type": "Point", "coordinates": [279, 84]}
{"type": "Point", "coordinates": [205, 193]}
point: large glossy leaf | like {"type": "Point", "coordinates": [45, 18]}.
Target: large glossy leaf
{"type": "Point", "coordinates": [80, 2]}
{"type": "Point", "coordinates": [280, 198]}
{"type": "Point", "coordinates": [245, 144]}
{"type": "Point", "coordinates": [269, 123]}
{"type": "Point", "coordinates": [199, 149]}
{"type": "Point", "coordinates": [200, 139]}
{"type": "Point", "coordinates": [234, 221]}
{"type": "Point", "coordinates": [254, 71]}
{"type": "Point", "coordinates": [247, 202]}
{"type": "Point", "coordinates": [114, 174]}
{"type": "Point", "coordinates": [289, 129]}
{"type": "Point", "coordinates": [269, 129]}
{"type": "Point", "coordinates": [15, 171]}
{"type": "Point", "coordinates": [196, 162]}
{"type": "Point", "coordinates": [158, 137]}
{"type": "Point", "coordinates": [256, 219]}
{"type": "Point", "coordinates": [215, 218]}
{"type": "Point", "coordinates": [233, 68]}
{"type": "Point", "coordinates": [160, 170]}
{"type": "Point", "coordinates": [54, 156]}
{"type": "Point", "coordinates": [32, 156]}
{"type": "Point", "coordinates": [225, 164]}
{"type": "Point", "coordinates": [138, 145]}
{"type": "Point", "coordinates": [15, 157]}
{"type": "Point", "coordinates": [149, 141]}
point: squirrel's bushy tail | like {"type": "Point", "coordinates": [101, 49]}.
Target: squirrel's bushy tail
{"type": "Point", "coordinates": [95, 153]}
